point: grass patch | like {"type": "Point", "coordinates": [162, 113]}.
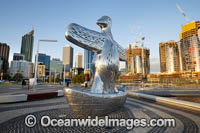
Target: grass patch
{"type": "Point", "coordinates": [9, 84]}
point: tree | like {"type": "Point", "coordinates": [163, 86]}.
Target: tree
{"type": "Point", "coordinates": [18, 77]}
{"type": "Point", "coordinates": [51, 79]}
{"type": "Point", "coordinates": [82, 78]}
{"type": "Point", "coordinates": [57, 79]}
{"type": "Point", "coordinates": [78, 78]}
{"type": "Point", "coordinates": [75, 79]}
{"type": "Point", "coordinates": [6, 76]}
{"type": "Point", "coordinates": [47, 79]}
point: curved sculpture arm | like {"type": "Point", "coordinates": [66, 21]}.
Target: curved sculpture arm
{"type": "Point", "coordinates": [89, 39]}
{"type": "Point", "coordinates": [85, 38]}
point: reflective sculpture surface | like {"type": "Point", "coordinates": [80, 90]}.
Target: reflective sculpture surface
{"type": "Point", "coordinates": [89, 39]}
{"type": "Point", "coordinates": [104, 96]}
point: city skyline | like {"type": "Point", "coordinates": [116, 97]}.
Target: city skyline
{"type": "Point", "coordinates": [45, 60]}
{"type": "Point", "coordinates": [51, 23]}
{"type": "Point", "coordinates": [100, 66]}
{"type": "Point", "coordinates": [27, 45]}
{"type": "Point", "coordinates": [67, 57]}
{"type": "Point", "coordinates": [79, 60]}
{"type": "Point", "coordinates": [88, 58]}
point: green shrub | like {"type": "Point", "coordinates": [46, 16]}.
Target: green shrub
{"type": "Point", "coordinates": [78, 78]}
{"type": "Point", "coordinates": [18, 77]}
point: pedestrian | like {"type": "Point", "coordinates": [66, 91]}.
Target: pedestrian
{"type": "Point", "coordinates": [67, 83]}
{"type": "Point", "coordinates": [23, 83]}
{"type": "Point", "coordinates": [86, 84]}
{"type": "Point", "coordinates": [28, 84]}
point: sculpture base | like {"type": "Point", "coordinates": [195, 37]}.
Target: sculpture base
{"type": "Point", "coordinates": [85, 103]}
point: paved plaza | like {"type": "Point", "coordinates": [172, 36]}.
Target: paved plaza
{"type": "Point", "coordinates": [12, 117]}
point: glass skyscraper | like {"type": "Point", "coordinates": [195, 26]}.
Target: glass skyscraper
{"type": "Point", "coordinates": [4, 55]}
{"type": "Point", "coordinates": [56, 66]}
{"type": "Point", "coordinates": [27, 46]}
{"type": "Point", "coordinates": [45, 59]}
{"type": "Point", "coordinates": [88, 57]}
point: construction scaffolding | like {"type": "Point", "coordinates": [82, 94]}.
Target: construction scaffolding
{"type": "Point", "coordinates": [137, 60]}
{"type": "Point", "coordinates": [169, 57]}
{"type": "Point", "coordinates": [190, 46]}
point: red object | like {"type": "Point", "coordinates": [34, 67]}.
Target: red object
{"type": "Point", "coordinates": [86, 76]}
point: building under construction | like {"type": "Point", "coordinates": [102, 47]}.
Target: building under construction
{"type": "Point", "coordinates": [137, 60]}
{"type": "Point", "coordinates": [190, 46]}
{"type": "Point", "coordinates": [169, 57]}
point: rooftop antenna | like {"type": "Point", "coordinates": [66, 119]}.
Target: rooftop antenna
{"type": "Point", "coordinates": [182, 12]}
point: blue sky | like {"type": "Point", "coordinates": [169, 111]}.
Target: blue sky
{"type": "Point", "coordinates": [157, 20]}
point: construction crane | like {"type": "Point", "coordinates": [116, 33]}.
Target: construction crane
{"type": "Point", "coordinates": [140, 41]}
{"type": "Point", "coordinates": [142, 46]}
{"type": "Point", "coordinates": [182, 12]}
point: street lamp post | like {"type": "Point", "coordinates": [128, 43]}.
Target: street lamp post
{"type": "Point", "coordinates": [55, 76]}
{"type": "Point", "coordinates": [36, 62]}
{"type": "Point", "coordinates": [64, 75]}
{"type": "Point", "coordinates": [49, 76]}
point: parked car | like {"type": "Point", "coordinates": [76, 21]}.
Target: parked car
{"type": "Point", "coordinates": [12, 81]}
{"type": "Point", "coordinates": [2, 81]}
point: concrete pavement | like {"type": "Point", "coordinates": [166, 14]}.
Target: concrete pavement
{"type": "Point", "coordinates": [9, 94]}
{"type": "Point", "coordinates": [18, 89]}
{"type": "Point", "coordinates": [166, 92]}
{"type": "Point", "coordinates": [12, 117]}
{"type": "Point", "coordinates": [185, 105]}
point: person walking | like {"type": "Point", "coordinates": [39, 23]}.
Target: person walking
{"type": "Point", "coordinates": [23, 83]}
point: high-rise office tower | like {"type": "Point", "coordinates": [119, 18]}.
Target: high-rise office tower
{"type": "Point", "coordinates": [199, 33]}
{"type": "Point", "coordinates": [27, 45]}
{"type": "Point", "coordinates": [41, 70]}
{"type": "Point", "coordinates": [1, 65]}
{"type": "Point", "coordinates": [4, 55]}
{"type": "Point", "coordinates": [169, 57]}
{"type": "Point", "coordinates": [88, 57]}
{"type": "Point", "coordinates": [45, 59]}
{"type": "Point", "coordinates": [79, 60]}
{"type": "Point", "coordinates": [190, 46]}
{"type": "Point", "coordinates": [17, 56]}
{"type": "Point", "coordinates": [67, 57]}
{"type": "Point", "coordinates": [137, 60]}
{"type": "Point", "coordinates": [21, 66]}
{"type": "Point", "coordinates": [56, 66]}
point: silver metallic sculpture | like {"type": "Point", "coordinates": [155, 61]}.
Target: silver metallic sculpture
{"type": "Point", "coordinates": [104, 96]}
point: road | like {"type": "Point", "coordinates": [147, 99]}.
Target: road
{"type": "Point", "coordinates": [12, 117]}
{"type": "Point", "coordinates": [41, 88]}
{"type": "Point", "coordinates": [17, 89]}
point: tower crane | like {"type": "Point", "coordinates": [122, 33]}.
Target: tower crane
{"type": "Point", "coordinates": [182, 12]}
